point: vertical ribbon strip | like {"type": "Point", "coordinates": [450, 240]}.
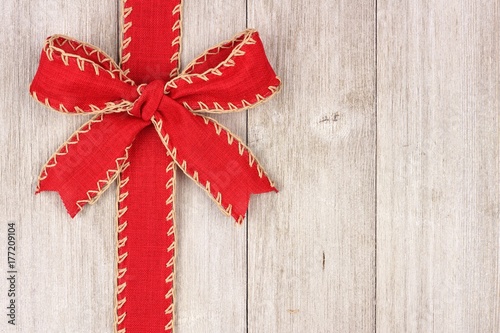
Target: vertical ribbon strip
{"type": "Point", "coordinates": [149, 122]}
{"type": "Point", "coordinates": [151, 32]}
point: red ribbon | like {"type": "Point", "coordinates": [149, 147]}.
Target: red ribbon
{"type": "Point", "coordinates": [77, 78]}
{"type": "Point", "coordinates": [118, 142]}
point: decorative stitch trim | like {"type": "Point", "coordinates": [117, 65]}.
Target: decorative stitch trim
{"type": "Point", "coordinates": [120, 258]}
{"type": "Point", "coordinates": [187, 76]}
{"type": "Point", "coordinates": [105, 60]}
{"type": "Point", "coordinates": [103, 184]}
{"type": "Point", "coordinates": [124, 27]}
{"type": "Point", "coordinates": [120, 271]}
{"type": "Point", "coordinates": [231, 137]}
{"type": "Point", "coordinates": [171, 263]}
{"type": "Point", "coordinates": [110, 107]}
{"type": "Point", "coordinates": [88, 49]}
{"type": "Point", "coordinates": [106, 64]}
{"type": "Point", "coordinates": [243, 105]}
{"type": "Point", "coordinates": [237, 42]}
{"type": "Point", "coordinates": [64, 148]}
{"type": "Point", "coordinates": [227, 44]}
{"type": "Point", "coordinates": [176, 42]}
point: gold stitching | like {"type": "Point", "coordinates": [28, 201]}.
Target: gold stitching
{"type": "Point", "coordinates": [244, 105]}
{"type": "Point", "coordinates": [176, 42]}
{"type": "Point", "coordinates": [64, 148]}
{"type": "Point", "coordinates": [104, 60]}
{"type": "Point", "coordinates": [171, 218]}
{"type": "Point", "coordinates": [103, 184]}
{"type": "Point", "coordinates": [124, 27]}
{"type": "Point", "coordinates": [252, 160]}
{"type": "Point", "coordinates": [227, 44]}
{"type": "Point", "coordinates": [187, 76]}
{"type": "Point", "coordinates": [109, 107]}
{"type": "Point", "coordinates": [120, 258]}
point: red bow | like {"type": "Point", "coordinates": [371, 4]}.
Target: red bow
{"type": "Point", "coordinates": [74, 77]}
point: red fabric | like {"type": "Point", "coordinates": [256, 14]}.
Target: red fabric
{"type": "Point", "coordinates": [246, 82]}
{"type": "Point", "coordinates": [148, 54]}
{"type": "Point", "coordinates": [150, 247]}
{"type": "Point", "coordinates": [149, 244]}
{"type": "Point", "coordinates": [74, 77]}
{"type": "Point", "coordinates": [152, 40]}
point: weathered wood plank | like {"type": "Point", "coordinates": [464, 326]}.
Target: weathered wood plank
{"type": "Point", "coordinates": [438, 166]}
{"type": "Point", "coordinates": [311, 259]}
{"type": "Point", "coordinates": [312, 247]}
{"type": "Point", "coordinates": [211, 257]}
{"type": "Point", "coordinates": [65, 267]}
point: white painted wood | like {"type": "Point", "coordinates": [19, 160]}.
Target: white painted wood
{"type": "Point", "coordinates": [438, 166]}
{"type": "Point", "coordinates": [211, 248]}
{"type": "Point", "coordinates": [417, 186]}
{"type": "Point", "coordinates": [65, 267]}
{"type": "Point", "coordinates": [312, 247]}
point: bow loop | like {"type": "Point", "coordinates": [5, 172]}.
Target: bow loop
{"type": "Point", "coordinates": [68, 68]}
{"type": "Point", "coordinates": [232, 76]}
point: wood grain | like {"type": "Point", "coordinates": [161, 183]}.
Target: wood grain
{"type": "Point", "coordinates": [384, 143]}
{"type": "Point", "coordinates": [438, 166]}
{"type": "Point", "coordinates": [211, 260]}
{"type": "Point", "coordinates": [312, 247]}
{"type": "Point", "coordinates": [65, 279]}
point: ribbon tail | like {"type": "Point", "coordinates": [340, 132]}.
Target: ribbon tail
{"type": "Point", "coordinates": [90, 160]}
{"type": "Point", "coordinates": [213, 157]}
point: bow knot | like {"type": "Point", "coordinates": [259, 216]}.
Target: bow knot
{"type": "Point", "coordinates": [151, 96]}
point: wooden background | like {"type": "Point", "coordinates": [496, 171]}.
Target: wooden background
{"type": "Point", "coordinates": [384, 143]}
